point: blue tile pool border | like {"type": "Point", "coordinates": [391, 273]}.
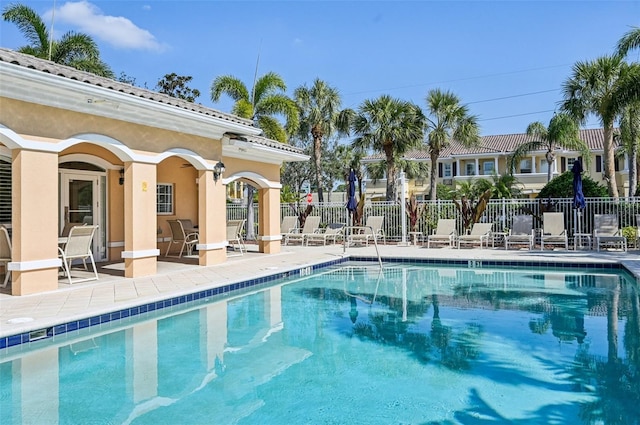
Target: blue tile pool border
{"type": "Point", "coordinates": [101, 319]}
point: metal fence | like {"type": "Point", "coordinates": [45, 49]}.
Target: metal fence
{"type": "Point", "coordinates": [498, 211]}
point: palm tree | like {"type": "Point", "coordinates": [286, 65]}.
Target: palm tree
{"type": "Point", "coordinates": [77, 50]}
{"type": "Point", "coordinates": [390, 126]}
{"type": "Point", "coordinates": [266, 100]}
{"type": "Point", "coordinates": [630, 140]}
{"type": "Point", "coordinates": [594, 88]}
{"type": "Point", "coordinates": [563, 132]}
{"type": "Point", "coordinates": [448, 120]}
{"type": "Point", "coordinates": [321, 117]}
{"type": "Point", "coordinates": [630, 40]}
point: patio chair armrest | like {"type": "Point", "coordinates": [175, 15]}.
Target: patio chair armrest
{"type": "Point", "coordinates": [191, 237]}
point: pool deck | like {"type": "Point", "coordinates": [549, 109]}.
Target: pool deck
{"type": "Point", "coordinates": [113, 292]}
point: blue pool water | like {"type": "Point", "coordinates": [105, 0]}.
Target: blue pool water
{"type": "Point", "coordinates": [352, 345]}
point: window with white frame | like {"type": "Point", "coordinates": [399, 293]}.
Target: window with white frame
{"type": "Point", "coordinates": [447, 171]}
{"type": "Point", "coordinates": [164, 199]}
{"type": "Point", "coordinates": [470, 169]}
{"type": "Point", "coordinates": [487, 167]}
{"type": "Point", "coordinates": [525, 166]}
{"type": "Point", "coordinates": [570, 162]}
{"type": "Point", "coordinates": [544, 166]}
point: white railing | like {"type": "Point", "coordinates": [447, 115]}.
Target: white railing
{"type": "Point", "coordinates": [498, 211]}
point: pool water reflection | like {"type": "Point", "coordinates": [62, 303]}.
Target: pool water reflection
{"type": "Point", "coordinates": [411, 344]}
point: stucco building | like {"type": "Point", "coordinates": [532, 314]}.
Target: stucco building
{"type": "Point", "coordinates": [78, 147]}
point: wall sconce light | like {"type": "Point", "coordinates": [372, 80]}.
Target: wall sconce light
{"type": "Point", "coordinates": [121, 180]}
{"type": "Point", "coordinates": [218, 169]}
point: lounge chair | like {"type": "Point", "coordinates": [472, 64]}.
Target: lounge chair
{"type": "Point", "coordinates": [553, 230]}
{"type": "Point", "coordinates": [234, 234]}
{"type": "Point", "coordinates": [333, 232]}
{"type": "Point", "coordinates": [445, 233]}
{"type": "Point", "coordinates": [606, 232]}
{"type": "Point", "coordinates": [372, 230]}
{"type": "Point", "coordinates": [521, 233]}
{"type": "Point", "coordinates": [480, 233]}
{"type": "Point", "coordinates": [5, 254]}
{"type": "Point", "coordinates": [180, 237]}
{"type": "Point", "coordinates": [78, 247]}
{"type": "Point", "coordinates": [288, 225]}
{"type": "Point", "coordinates": [311, 224]}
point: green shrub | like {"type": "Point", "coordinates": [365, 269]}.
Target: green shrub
{"type": "Point", "coordinates": [562, 187]}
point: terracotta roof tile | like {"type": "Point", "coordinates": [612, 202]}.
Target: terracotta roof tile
{"type": "Point", "coordinates": [501, 144]}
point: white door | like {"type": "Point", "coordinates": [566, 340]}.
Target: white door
{"type": "Point", "coordinates": [80, 203]}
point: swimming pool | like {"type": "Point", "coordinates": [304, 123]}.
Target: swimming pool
{"type": "Point", "coordinates": [412, 344]}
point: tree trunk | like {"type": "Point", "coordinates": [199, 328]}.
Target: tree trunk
{"type": "Point", "coordinates": [249, 228]}
{"type": "Point", "coordinates": [609, 162]}
{"type": "Point", "coordinates": [433, 174]}
{"type": "Point", "coordinates": [317, 156]}
{"type": "Point", "coordinates": [633, 176]}
{"type": "Point", "coordinates": [550, 157]}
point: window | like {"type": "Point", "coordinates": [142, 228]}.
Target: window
{"type": "Point", "coordinates": [487, 167]}
{"type": "Point", "coordinates": [164, 199]}
{"type": "Point", "coordinates": [470, 168]}
{"type": "Point", "coordinates": [570, 162]}
{"type": "Point", "coordinates": [5, 192]}
{"type": "Point", "coordinates": [544, 166]}
{"type": "Point", "coordinates": [598, 163]}
{"type": "Point", "coordinates": [525, 166]}
{"type": "Point", "coordinates": [447, 171]}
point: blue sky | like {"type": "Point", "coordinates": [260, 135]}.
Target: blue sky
{"type": "Point", "coordinates": [506, 59]}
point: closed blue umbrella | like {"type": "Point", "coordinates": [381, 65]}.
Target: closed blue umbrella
{"type": "Point", "coordinates": [578, 196]}
{"type": "Point", "coordinates": [351, 192]}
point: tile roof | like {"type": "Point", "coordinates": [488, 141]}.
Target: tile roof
{"type": "Point", "coordinates": [42, 65]}
{"type": "Point", "coordinates": [502, 144]}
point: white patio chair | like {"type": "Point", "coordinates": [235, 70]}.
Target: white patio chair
{"type": "Point", "coordinates": [333, 232]}
{"type": "Point", "coordinates": [288, 225]}
{"type": "Point", "coordinates": [5, 254]}
{"type": "Point", "coordinates": [311, 224]}
{"type": "Point", "coordinates": [180, 237]}
{"type": "Point", "coordinates": [553, 230]}
{"type": "Point", "coordinates": [480, 233]}
{"type": "Point", "coordinates": [445, 233]}
{"type": "Point", "coordinates": [521, 233]}
{"type": "Point", "coordinates": [78, 247]}
{"type": "Point", "coordinates": [606, 232]}
{"type": "Point", "coordinates": [234, 235]}
{"type": "Point", "coordinates": [372, 230]}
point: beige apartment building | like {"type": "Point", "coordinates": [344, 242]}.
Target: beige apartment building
{"type": "Point", "coordinates": [75, 147]}
{"type": "Point", "coordinates": [458, 164]}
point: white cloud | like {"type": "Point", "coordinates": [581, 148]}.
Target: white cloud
{"type": "Point", "coordinates": [146, 7]}
{"type": "Point", "coordinates": [115, 30]}
{"type": "Point", "coordinates": [297, 42]}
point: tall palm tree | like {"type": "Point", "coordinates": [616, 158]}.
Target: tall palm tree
{"type": "Point", "coordinates": [73, 49]}
{"type": "Point", "coordinates": [447, 120]}
{"type": "Point", "coordinates": [593, 88]}
{"type": "Point", "coordinates": [629, 41]}
{"type": "Point", "coordinates": [390, 126]}
{"type": "Point", "coordinates": [630, 140]}
{"type": "Point", "coordinates": [321, 118]}
{"type": "Point", "coordinates": [265, 100]}
{"type": "Point", "coordinates": [563, 132]}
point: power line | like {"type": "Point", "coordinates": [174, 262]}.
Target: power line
{"type": "Point", "coordinates": [499, 74]}
{"type": "Point", "coordinates": [513, 96]}
{"type": "Point", "coordinates": [516, 115]}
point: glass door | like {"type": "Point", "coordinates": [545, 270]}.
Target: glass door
{"type": "Point", "coordinates": [81, 204]}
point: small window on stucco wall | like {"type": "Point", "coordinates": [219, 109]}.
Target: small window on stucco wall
{"type": "Point", "coordinates": [164, 199]}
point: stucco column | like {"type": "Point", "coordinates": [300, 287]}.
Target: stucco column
{"type": "Point", "coordinates": [212, 219]}
{"type": "Point", "coordinates": [269, 221]}
{"type": "Point", "coordinates": [477, 172]}
{"type": "Point", "coordinates": [140, 223]}
{"type": "Point", "coordinates": [533, 165]}
{"type": "Point", "coordinates": [34, 222]}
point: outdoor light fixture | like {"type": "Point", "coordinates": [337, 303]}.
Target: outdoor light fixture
{"type": "Point", "coordinates": [218, 169]}
{"type": "Point", "coordinates": [121, 180]}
